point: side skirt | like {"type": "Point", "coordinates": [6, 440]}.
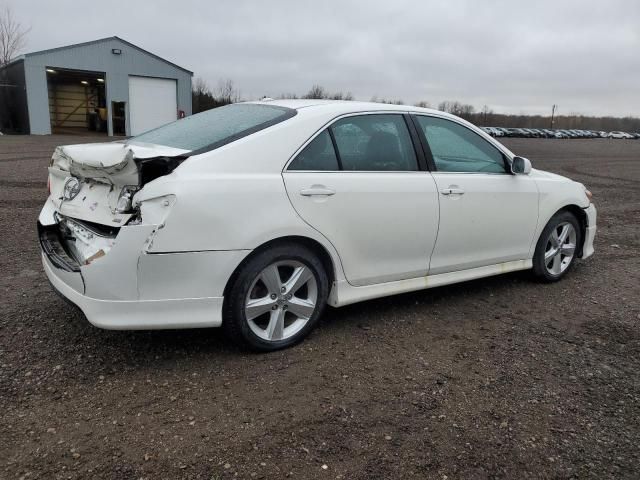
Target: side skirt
{"type": "Point", "coordinates": [344, 293]}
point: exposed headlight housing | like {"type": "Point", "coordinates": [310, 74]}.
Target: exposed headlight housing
{"type": "Point", "coordinates": [125, 198]}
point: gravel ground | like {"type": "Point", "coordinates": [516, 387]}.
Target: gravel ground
{"type": "Point", "coordinates": [495, 378]}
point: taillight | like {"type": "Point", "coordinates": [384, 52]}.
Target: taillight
{"type": "Point", "coordinates": [125, 198]}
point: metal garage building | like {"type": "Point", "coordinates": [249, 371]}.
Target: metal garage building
{"type": "Point", "coordinates": [107, 85]}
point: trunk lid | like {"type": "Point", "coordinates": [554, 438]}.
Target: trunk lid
{"type": "Point", "coordinates": [87, 180]}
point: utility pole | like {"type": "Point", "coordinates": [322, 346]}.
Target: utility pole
{"type": "Point", "coordinates": [553, 111]}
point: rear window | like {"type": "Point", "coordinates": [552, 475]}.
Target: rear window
{"type": "Point", "coordinates": [214, 128]}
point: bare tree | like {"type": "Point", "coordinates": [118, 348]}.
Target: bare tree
{"type": "Point", "coordinates": [389, 101]}
{"type": "Point", "coordinates": [200, 87]}
{"type": "Point", "coordinates": [13, 36]}
{"type": "Point", "coordinates": [317, 92]}
{"type": "Point", "coordinates": [283, 96]}
{"type": "Point", "coordinates": [201, 98]}
{"type": "Point", "coordinates": [457, 108]}
{"type": "Point", "coordinates": [340, 96]}
{"type": "Point", "coordinates": [423, 104]}
{"type": "Point", "coordinates": [486, 114]}
{"type": "Point", "coordinates": [227, 92]}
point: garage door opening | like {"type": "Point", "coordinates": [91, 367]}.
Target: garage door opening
{"type": "Point", "coordinates": [152, 103]}
{"type": "Point", "coordinates": [77, 101]}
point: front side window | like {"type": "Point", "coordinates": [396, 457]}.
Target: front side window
{"type": "Point", "coordinates": [318, 155]}
{"type": "Point", "coordinates": [374, 143]}
{"type": "Point", "coordinates": [458, 149]}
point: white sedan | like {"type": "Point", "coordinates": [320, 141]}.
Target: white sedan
{"type": "Point", "coordinates": [255, 216]}
{"type": "Point", "coordinates": [619, 135]}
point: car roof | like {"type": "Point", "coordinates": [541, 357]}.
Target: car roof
{"type": "Point", "coordinates": [345, 106]}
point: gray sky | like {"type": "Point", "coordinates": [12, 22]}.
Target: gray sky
{"type": "Point", "coordinates": [514, 56]}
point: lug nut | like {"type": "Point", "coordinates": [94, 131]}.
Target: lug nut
{"type": "Point", "coordinates": [273, 296]}
{"type": "Point", "coordinates": [289, 297]}
{"type": "Point", "coordinates": [283, 289]}
{"type": "Point", "coordinates": [275, 307]}
{"type": "Point", "coordinates": [284, 307]}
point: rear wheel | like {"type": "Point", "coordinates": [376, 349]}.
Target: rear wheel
{"type": "Point", "coordinates": [557, 247]}
{"type": "Point", "coordinates": [276, 298]}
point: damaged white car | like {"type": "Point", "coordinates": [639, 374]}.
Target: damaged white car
{"type": "Point", "coordinates": [254, 216]}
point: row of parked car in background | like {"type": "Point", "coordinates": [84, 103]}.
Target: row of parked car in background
{"type": "Point", "coordinates": [555, 133]}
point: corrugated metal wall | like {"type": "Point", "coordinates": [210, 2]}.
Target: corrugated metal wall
{"type": "Point", "coordinates": [98, 57]}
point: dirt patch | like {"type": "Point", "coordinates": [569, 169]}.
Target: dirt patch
{"type": "Point", "coordinates": [496, 378]}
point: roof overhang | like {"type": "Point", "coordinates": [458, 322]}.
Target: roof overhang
{"type": "Point", "coordinates": [102, 40]}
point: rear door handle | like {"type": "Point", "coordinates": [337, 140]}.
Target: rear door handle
{"type": "Point", "coordinates": [452, 191]}
{"type": "Point", "coordinates": [317, 190]}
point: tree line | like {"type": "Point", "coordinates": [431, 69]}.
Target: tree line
{"type": "Point", "coordinates": [205, 98]}
{"type": "Point", "coordinates": [563, 122]}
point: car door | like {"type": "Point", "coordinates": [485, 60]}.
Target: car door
{"type": "Point", "coordinates": [360, 184]}
{"type": "Point", "coordinates": [487, 214]}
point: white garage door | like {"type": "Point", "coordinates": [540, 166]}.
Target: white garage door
{"type": "Point", "coordinates": [152, 102]}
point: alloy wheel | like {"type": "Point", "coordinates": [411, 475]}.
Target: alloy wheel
{"type": "Point", "coordinates": [281, 300]}
{"type": "Point", "coordinates": [560, 248]}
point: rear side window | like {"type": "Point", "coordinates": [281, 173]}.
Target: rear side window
{"type": "Point", "coordinates": [214, 128]}
{"type": "Point", "coordinates": [458, 149]}
{"type": "Point", "coordinates": [374, 143]}
{"type": "Point", "coordinates": [318, 155]}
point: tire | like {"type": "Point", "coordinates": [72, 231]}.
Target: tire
{"type": "Point", "coordinates": [259, 315]}
{"type": "Point", "coordinates": [556, 251]}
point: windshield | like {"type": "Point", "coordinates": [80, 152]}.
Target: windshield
{"type": "Point", "coordinates": [216, 127]}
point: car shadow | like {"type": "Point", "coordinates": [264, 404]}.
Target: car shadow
{"type": "Point", "coordinates": [415, 302]}
{"type": "Point", "coordinates": [114, 350]}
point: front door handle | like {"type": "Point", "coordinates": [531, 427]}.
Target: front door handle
{"type": "Point", "coordinates": [452, 191]}
{"type": "Point", "coordinates": [317, 190]}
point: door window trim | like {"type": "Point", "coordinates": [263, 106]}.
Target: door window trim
{"type": "Point", "coordinates": [415, 142]}
{"type": "Point", "coordinates": [506, 158]}
{"type": "Point", "coordinates": [336, 152]}
{"type": "Point", "coordinates": [423, 162]}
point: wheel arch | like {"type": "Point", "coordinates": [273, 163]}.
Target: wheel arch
{"type": "Point", "coordinates": [315, 246]}
{"type": "Point", "coordinates": [580, 215]}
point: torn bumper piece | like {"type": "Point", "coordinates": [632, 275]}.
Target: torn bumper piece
{"type": "Point", "coordinates": [130, 289]}
{"type": "Point", "coordinates": [52, 247]}
{"type": "Point", "coordinates": [590, 232]}
{"type": "Point", "coordinates": [137, 314]}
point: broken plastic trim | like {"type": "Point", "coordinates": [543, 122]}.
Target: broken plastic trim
{"type": "Point", "coordinates": [95, 228]}
{"type": "Point", "coordinates": [151, 168]}
{"type": "Point", "coordinates": [53, 248]}
{"type": "Point", "coordinates": [124, 204]}
{"type": "Point", "coordinates": [148, 170]}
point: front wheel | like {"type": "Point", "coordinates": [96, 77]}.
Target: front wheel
{"type": "Point", "coordinates": [557, 247]}
{"type": "Point", "coordinates": [276, 298]}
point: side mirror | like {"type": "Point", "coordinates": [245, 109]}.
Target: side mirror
{"type": "Point", "coordinates": [520, 166]}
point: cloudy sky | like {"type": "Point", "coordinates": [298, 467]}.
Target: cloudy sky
{"type": "Point", "coordinates": [514, 56]}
